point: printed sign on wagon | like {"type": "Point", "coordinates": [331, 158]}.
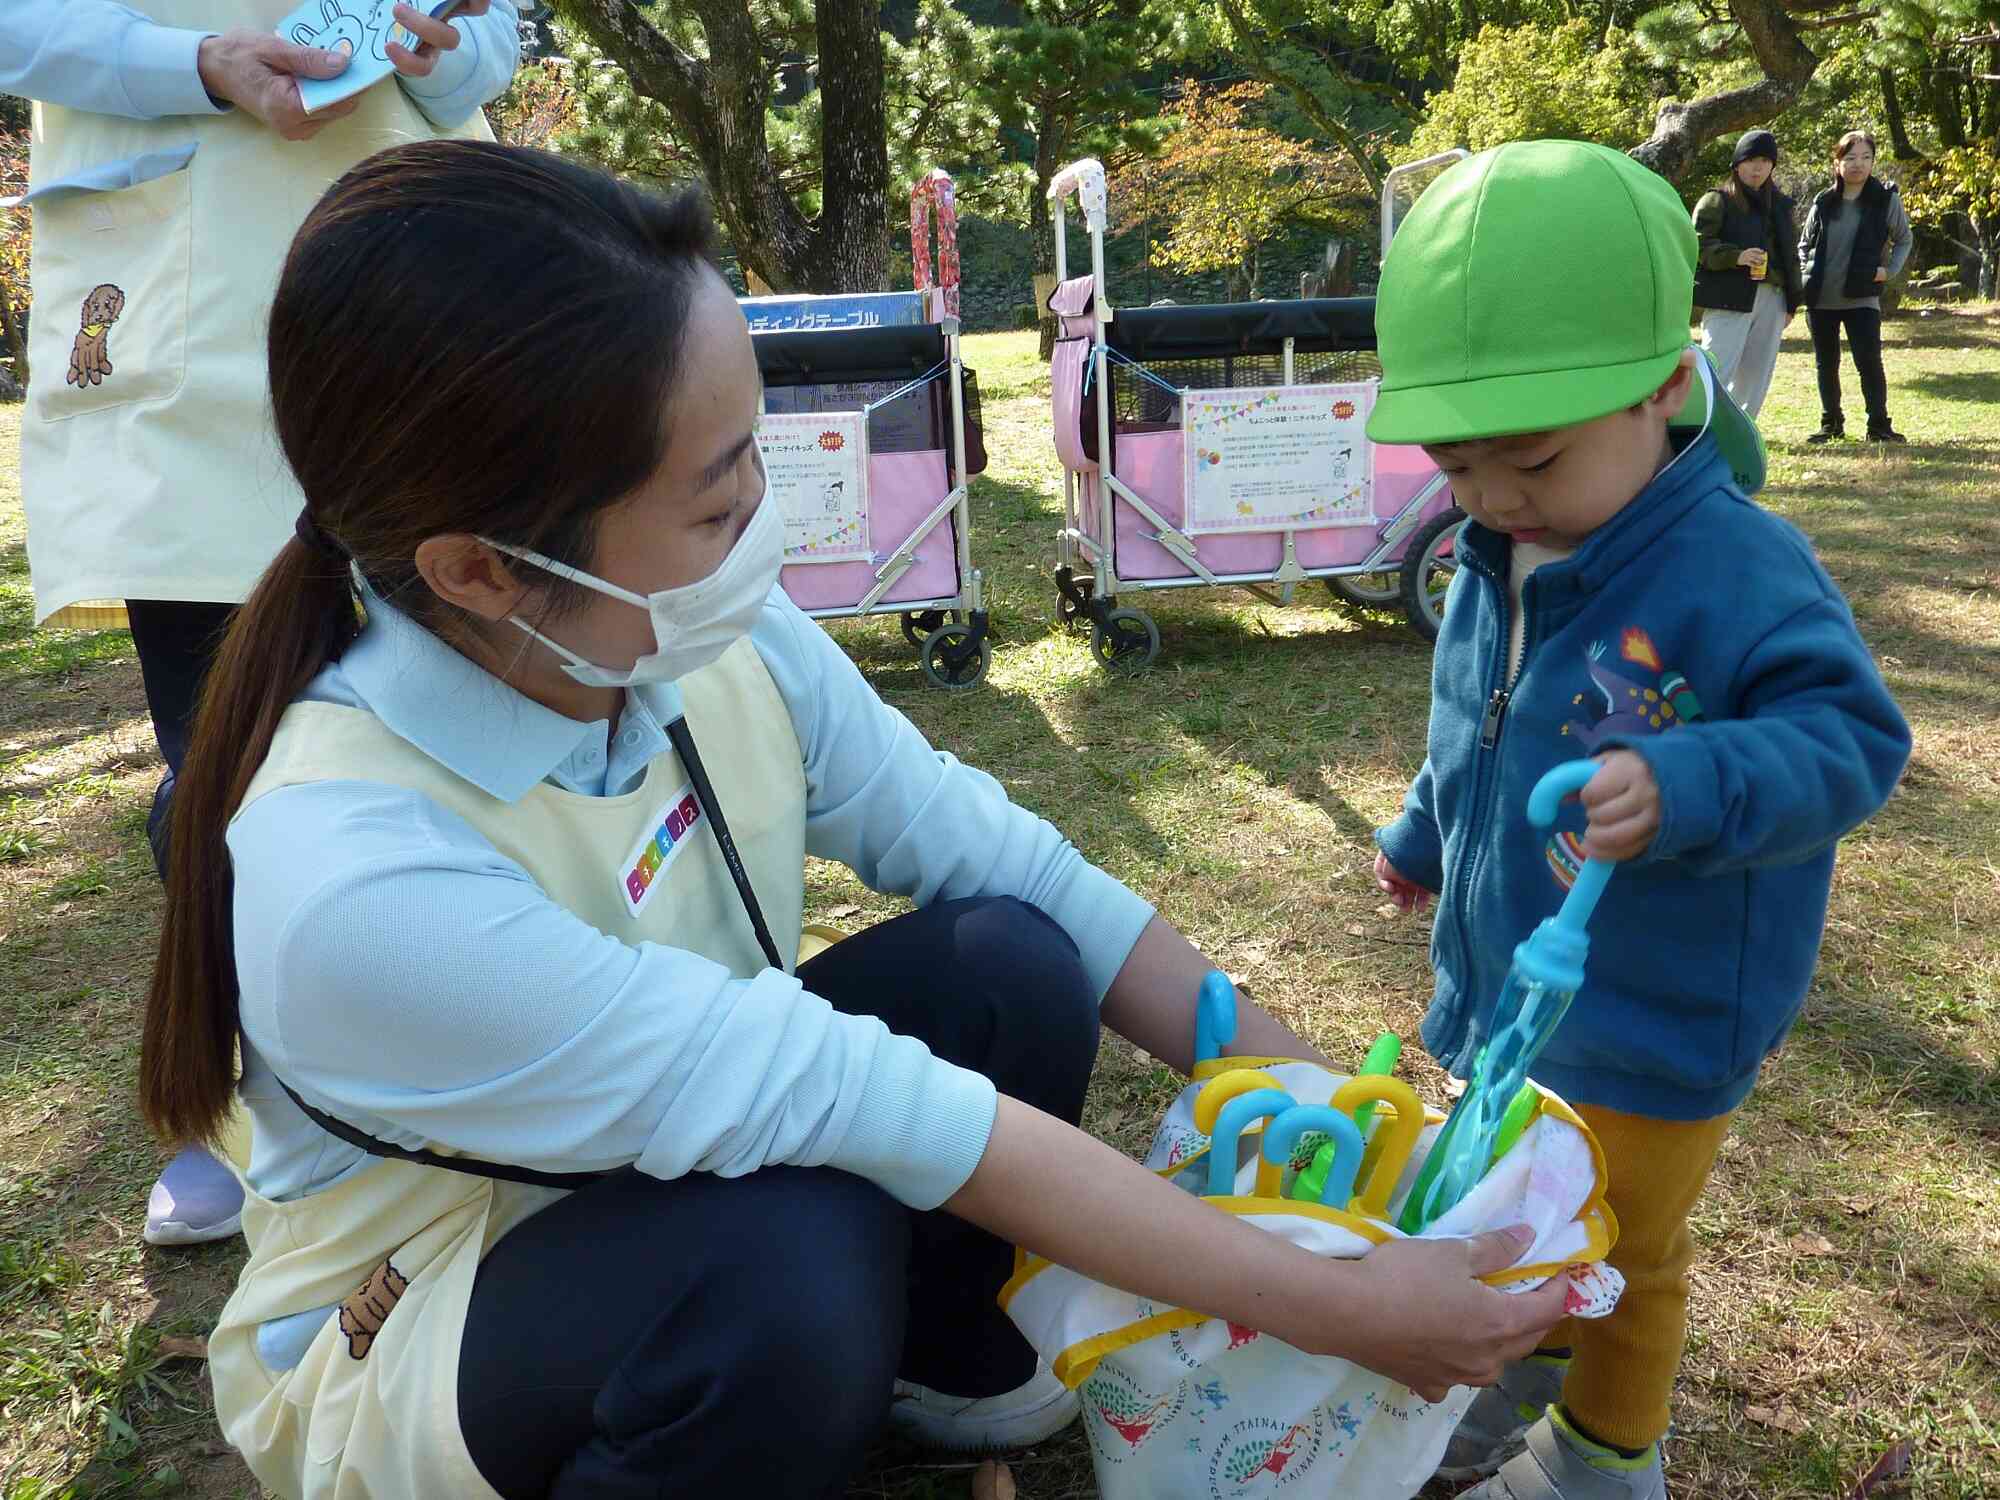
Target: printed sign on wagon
{"type": "Point", "coordinates": [817, 464]}
{"type": "Point", "coordinates": [1278, 458]}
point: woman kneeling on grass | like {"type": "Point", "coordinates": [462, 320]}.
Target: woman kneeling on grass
{"type": "Point", "coordinates": [514, 756]}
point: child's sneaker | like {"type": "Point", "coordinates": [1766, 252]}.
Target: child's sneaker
{"type": "Point", "coordinates": [1562, 1464]}
{"type": "Point", "coordinates": [1496, 1424]}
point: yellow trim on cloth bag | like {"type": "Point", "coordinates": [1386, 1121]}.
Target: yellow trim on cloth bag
{"type": "Point", "coordinates": [1076, 1363]}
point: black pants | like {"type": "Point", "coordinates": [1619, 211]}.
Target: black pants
{"type": "Point", "coordinates": [176, 642]}
{"type": "Point", "coordinates": [717, 1336]}
{"type": "Point", "coordinates": [1864, 338]}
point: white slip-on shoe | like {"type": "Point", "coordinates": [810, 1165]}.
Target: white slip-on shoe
{"type": "Point", "coordinates": [197, 1199]}
{"type": "Point", "coordinates": [991, 1424]}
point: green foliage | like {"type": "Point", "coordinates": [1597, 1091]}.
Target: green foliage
{"type": "Point", "coordinates": [1951, 84]}
{"type": "Point", "coordinates": [1067, 82]}
{"type": "Point", "coordinates": [1961, 186]}
{"type": "Point", "coordinates": [15, 236]}
{"type": "Point", "coordinates": [612, 125]}
{"type": "Point", "coordinates": [1962, 180]}
{"type": "Point", "coordinates": [938, 100]}
{"type": "Point", "coordinates": [1531, 82]}
{"type": "Point", "coordinates": [1226, 184]}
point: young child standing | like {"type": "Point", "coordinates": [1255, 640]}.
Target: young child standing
{"type": "Point", "coordinates": [1618, 596]}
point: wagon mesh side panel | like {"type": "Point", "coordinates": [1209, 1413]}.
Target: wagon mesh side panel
{"type": "Point", "coordinates": [915, 422]}
{"type": "Point", "coordinates": [1141, 405]}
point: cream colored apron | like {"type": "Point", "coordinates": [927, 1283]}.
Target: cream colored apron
{"type": "Point", "coordinates": [372, 1411]}
{"type": "Point", "coordinates": [149, 468]}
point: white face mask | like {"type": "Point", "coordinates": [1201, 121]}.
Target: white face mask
{"type": "Point", "coordinates": [693, 624]}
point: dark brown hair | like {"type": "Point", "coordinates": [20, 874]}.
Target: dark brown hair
{"type": "Point", "coordinates": [466, 337]}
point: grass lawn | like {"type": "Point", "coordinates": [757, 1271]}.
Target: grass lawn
{"type": "Point", "coordinates": [1848, 1287]}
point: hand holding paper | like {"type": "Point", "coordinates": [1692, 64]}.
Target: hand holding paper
{"type": "Point", "coordinates": [377, 38]}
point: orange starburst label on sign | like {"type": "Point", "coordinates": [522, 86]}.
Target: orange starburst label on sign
{"type": "Point", "coordinates": [1343, 409]}
{"type": "Point", "coordinates": [833, 442]}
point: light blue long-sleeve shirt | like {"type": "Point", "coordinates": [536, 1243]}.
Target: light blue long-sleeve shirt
{"type": "Point", "coordinates": [107, 58]}
{"type": "Point", "coordinates": [521, 1033]}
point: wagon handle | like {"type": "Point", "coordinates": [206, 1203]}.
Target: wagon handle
{"type": "Point", "coordinates": [934, 188]}
{"type": "Point", "coordinates": [1085, 178]}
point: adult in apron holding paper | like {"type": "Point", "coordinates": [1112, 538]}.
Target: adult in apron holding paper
{"type": "Point", "coordinates": [567, 1179]}
{"type": "Point", "coordinates": [171, 163]}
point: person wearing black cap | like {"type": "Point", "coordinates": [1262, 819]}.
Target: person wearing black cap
{"type": "Point", "coordinates": [1748, 282]}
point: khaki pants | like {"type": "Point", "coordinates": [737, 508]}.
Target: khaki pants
{"type": "Point", "coordinates": [1744, 346]}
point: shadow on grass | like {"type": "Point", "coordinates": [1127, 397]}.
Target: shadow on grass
{"type": "Point", "coordinates": [1980, 386]}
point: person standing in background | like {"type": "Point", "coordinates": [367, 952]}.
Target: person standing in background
{"type": "Point", "coordinates": [1857, 236]}
{"type": "Point", "coordinates": [172, 159]}
{"type": "Point", "coordinates": [1748, 278]}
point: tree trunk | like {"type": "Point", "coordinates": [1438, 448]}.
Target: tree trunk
{"type": "Point", "coordinates": [1681, 130]}
{"type": "Point", "coordinates": [1892, 112]}
{"type": "Point", "coordinates": [1986, 233]}
{"type": "Point", "coordinates": [1049, 142]}
{"type": "Point", "coordinates": [718, 104]}
{"type": "Point", "coordinates": [853, 249]}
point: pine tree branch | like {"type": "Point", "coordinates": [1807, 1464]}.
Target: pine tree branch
{"type": "Point", "coordinates": [1680, 130]}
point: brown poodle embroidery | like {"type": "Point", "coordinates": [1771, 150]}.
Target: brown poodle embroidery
{"type": "Point", "coordinates": [364, 1312]}
{"type": "Point", "coordinates": [90, 356]}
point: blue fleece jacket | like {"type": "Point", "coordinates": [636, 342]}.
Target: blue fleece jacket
{"type": "Point", "coordinates": [1698, 630]}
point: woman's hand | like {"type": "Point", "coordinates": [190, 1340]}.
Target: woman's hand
{"type": "Point", "coordinates": [1410, 1309]}
{"type": "Point", "coordinates": [1402, 890]}
{"type": "Point", "coordinates": [433, 37]}
{"type": "Point", "coordinates": [1418, 1314]}
{"type": "Point", "coordinates": [1623, 804]}
{"type": "Point", "coordinates": [1881, 273]}
{"type": "Point", "coordinates": [1752, 258]}
{"type": "Point", "coordinates": [259, 73]}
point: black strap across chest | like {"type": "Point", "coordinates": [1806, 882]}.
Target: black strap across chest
{"type": "Point", "coordinates": [683, 742]}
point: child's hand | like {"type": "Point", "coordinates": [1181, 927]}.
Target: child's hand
{"type": "Point", "coordinates": [1406, 893]}
{"type": "Point", "coordinates": [1623, 804]}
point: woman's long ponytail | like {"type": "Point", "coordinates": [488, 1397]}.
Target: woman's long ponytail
{"type": "Point", "coordinates": [300, 617]}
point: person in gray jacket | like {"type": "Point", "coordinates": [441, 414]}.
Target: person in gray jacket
{"type": "Point", "coordinates": [1857, 236]}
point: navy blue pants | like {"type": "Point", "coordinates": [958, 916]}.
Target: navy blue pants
{"type": "Point", "coordinates": [1864, 340]}
{"type": "Point", "coordinates": [716, 1336]}
{"type": "Point", "coordinates": [176, 641]}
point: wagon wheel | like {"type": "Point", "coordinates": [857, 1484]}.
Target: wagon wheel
{"type": "Point", "coordinates": [917, 624]}
{"type": "Point", "coordinates": [1073, 597]}
{"type": "Point", "coordinates": [1368, 590]}
{"type": "Point", "coordinates": [954, 658]}
{"type": "Point", "coordinates": [1428, 568]}
{"type": "Point", "coordinates": [1126, 641]}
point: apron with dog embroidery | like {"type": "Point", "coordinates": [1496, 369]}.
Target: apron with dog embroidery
{"type": "Point", "coordinates": [149, 468]}
{"type": "Point", "coordinates": [371, 1412]}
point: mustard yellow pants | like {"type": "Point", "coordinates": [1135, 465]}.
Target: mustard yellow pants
{"type": "Point", "coordinates": [1621, 1378]}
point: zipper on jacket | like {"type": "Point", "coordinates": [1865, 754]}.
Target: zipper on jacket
{"type": "Point", "coordinates": [1491, 723]}
{"type": "Point", "coordinates": [1495, 716]}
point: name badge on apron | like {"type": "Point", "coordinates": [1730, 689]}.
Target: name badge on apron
{"type": "Point", "coordinates": [639, 874]}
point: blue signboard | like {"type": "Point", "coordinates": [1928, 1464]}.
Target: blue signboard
{"type": "Point", "coordinates": [858, 310]}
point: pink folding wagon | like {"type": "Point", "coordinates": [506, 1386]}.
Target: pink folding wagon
{"type": "Point", "coordinates": [1225, 445]}
{"type": "Point", "coordinates": [870, 433]}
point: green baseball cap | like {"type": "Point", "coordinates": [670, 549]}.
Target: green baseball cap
{"type": "Point", "coordinates": [1538, 285]}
